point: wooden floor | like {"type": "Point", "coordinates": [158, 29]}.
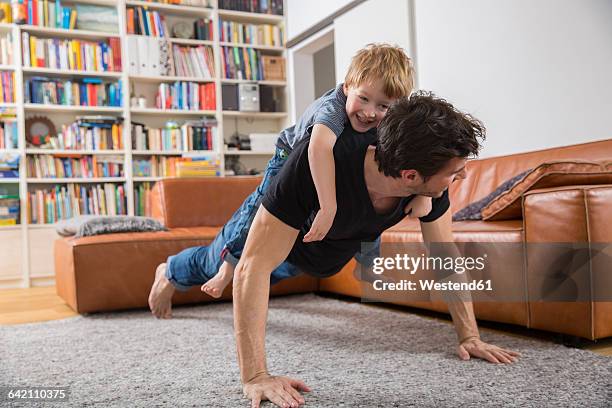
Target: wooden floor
{"type": "Point", "coordinates": [34, 305]}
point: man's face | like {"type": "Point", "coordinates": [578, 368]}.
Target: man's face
{"type": "Point", "coordinates": [366, 105]}
{"type": "Point", "coordinates": [436, 184]}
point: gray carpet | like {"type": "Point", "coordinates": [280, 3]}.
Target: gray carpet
{"type": "Point", "coordinates": [350, 354]}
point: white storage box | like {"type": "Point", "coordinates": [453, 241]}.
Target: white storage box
{"type": "Point", "coordinates": [263, 142]}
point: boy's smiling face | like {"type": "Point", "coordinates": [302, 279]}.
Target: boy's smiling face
{"type": "Point", "coordinates": [366, 105]}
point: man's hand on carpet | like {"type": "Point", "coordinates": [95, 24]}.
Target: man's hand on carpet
{"type": "Point", "coordinates": [282, 391]}
{"type": "Point", "coordinates": [477, 348]}
{"type": "Point", "coordinates": [321, 225]}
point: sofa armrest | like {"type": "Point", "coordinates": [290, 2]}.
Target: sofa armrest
{"type": "Point", "coordinates": [192, 202]}
{"type": "Point", "coordinates": [568, 234]}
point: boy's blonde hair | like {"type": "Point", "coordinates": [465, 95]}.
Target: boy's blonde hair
{"type": "Point", "coordinates": [382, 62]}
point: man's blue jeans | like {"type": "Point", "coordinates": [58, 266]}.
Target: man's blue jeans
{"type": "Point", "coordinates": [197, 265]}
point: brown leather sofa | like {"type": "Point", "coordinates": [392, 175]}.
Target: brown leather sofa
{"type": "Point", "coordinates": [113, 272]}
{"type": "Point", "coordinates": [116, 271]}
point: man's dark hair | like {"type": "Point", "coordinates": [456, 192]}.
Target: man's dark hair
{"type": "Point", "coordinates": [423, 132]}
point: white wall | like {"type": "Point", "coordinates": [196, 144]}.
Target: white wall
{"type": "Point", "coordinates": [538, 73]}
{"type": "Point", "coordinates": [372, 21]}
{"type": "Point", "coordinates": [303, 14]}
{"type": "Point", "coordinates": [324, 70]}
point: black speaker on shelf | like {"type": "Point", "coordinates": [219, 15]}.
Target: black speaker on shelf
{"type": "Point", "coordinates": [268, 100]}
{"type": "Point", "coordinates": [229, 94]}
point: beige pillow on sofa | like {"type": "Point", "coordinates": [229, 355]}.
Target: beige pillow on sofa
{"type": "Point", "coordinates": [507, 206]}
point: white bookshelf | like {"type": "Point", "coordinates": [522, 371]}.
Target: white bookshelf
{"type": "Point", "coordinates": [23, 241]}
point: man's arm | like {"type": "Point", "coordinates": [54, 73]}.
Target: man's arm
{"type": "Point", "coordinates": [461, 309]}
{"type": "Point", "coordinates": [267, 245]}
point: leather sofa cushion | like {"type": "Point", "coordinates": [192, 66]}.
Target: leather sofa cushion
{"type": "Point", "coordinates": [409, 230]}
{"type": "Point", "coordinates": [484, 175]}
{"type": "Point", "coordinates": [507, 206]}
{"type": "Point", "coordinates": [206, 233]}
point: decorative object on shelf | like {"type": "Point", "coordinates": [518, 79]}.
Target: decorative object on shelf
{"type": "Point", "coordinates": [38, 131]}
{"type": "Point", "coordinates": [9, 209]}
{"type": "Point", "coordinates": [166, 67]}
{"type": "Point", "coordinates": [5, 13]}
{"type": "Point", "coordinates": [19, 12]}
{"type": "Point", "coordinates": [97, 18]}
{"type": "Point", "coordinates": [273, 68]}
{"type": "Point", "coordinates": [182, 30]}
{"type": "Point", "coordinates": [263, 142]}
{"type": "Point", "coordinates": [248, 97]}
{"type": "Point", "coordinates": [9, 165]}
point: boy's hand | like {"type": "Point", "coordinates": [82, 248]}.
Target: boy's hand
{"type": "Point", "coordinates": [420, 206]}
{"type": "Point", "coordinates": [321, 225]}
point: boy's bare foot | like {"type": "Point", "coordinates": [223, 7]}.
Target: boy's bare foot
{"type": "Point", "coordinates": [160, 297]}
{"type": "Point", "coordinates": [219, 282]}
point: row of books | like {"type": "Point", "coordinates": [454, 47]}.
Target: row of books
{"type": "Point", "coordinates": [194, 61]}
{"type": "Point", "coordinates": [169, 138]}
{"type": "Point", "coordinates": [194, 135]}
{"type": "Point", "coordinates": [186, 96]}
{"type": "Point", "coordinates": [143, 199]}
{"type": "Point", "coordinates": [255, 34]}
{"type": "Point", "coordinates": [198, 166]}
{"type": "Point", "coordinates": [89, 133]}
{"type": "Point", "coordinates": [253, 6]}
{"type": "Point", "coordinates": [156, 167]}
{"type": "Point", "coordinates": [7, 87]}
{"type": "Point", "coordinates": [44, 13]}
{"type": "Point", "coordinates": [241, 63]}
{"type": "Point", "coordinates": [142, 21]}
{"type": "Point", "coordinates": [6, 49]}
{"type": "Point", "coordinates": [196, 3]}
{"type": "Point", "coordinates": [152, 56]}
{"type": "Point", "coordinates": [47, 206]}
{"type": "Point", "coordinates": [71, 54]}
{"type": "Point", "coordinates": [9, 135]}
{"type": "Point", "coordinates": [84, 92]}
{"type": "Point", "coordinates": [201, 135]}
{"type": "Point", "coordinates": [74, 166]}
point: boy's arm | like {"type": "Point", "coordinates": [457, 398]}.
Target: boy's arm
{"type": "Point", "coordinates": [322, 168]}
{"type": "Point", "coordinates": [418, 207]}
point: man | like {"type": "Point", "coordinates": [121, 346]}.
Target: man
{"type": "Point", "coordinates": [422, 147]}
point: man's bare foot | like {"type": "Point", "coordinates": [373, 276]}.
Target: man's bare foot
{"type": "Point", "coordinates": [219, 282]}
{"type": "Point", "coordinates": [160, 297]}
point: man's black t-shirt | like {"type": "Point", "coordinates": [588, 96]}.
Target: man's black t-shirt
{"type": "Point", "coordinates": [292, 198]}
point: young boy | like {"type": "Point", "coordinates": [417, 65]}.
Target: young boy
{"type": "Point", "coordinates": [378, 75]}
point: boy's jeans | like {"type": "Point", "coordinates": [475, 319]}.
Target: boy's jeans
{"type": "Point", "coordinates": [197, 265]}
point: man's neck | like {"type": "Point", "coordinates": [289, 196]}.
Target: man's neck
{"type": "Point", "coordinates": [384, 191]}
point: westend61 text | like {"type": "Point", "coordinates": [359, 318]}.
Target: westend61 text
{"type": "Point", "coordinates": [430, 284]}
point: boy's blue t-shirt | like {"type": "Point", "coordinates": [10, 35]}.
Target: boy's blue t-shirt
{"type": "Point", "coordinates": [328, 110]}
